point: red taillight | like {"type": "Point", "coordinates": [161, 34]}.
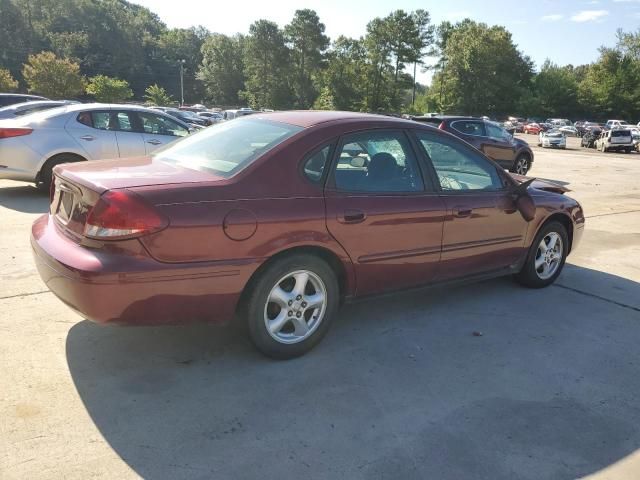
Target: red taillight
{"type": "Point", "coordinates": [441, 126]}
{"type": "Point", "coordinates": [9, 132]}
{"type": "Point", "coordinates": [122, 214]}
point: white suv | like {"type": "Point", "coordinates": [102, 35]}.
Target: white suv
{"type": "Point", "coordinates": [615, 139]}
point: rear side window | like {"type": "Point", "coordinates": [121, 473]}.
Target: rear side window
{"type": "Point", "coordinates": [377, 162]}
{"type": "Point", "coordinates": [315, 164]}
{"type": "Point", "coordinates": [468, 127]}
{"type": "Point", "coordinates": [99, 120]}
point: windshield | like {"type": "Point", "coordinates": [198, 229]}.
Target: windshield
{"type": "Point", "coordinates": [227, 148]}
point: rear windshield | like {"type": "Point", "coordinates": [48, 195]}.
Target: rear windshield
{"type": "Point", "coordinates": [227, 148]}
{"type": "Point", "coordinates": [620, 133]}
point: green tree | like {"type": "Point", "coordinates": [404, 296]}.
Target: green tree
{"type": "Point", "coordinates": [345, 74]}
{"type": "Point", "coordinates": [556, 91]}
{"type": "Point", "coordinates": [307, 41]}
{"type": "Point", "coordinates": [53, 77]}
{"type": "Point", "coordinates": [267, 71]}
{"type": "Point", "coordinates": [222, 69]}
{"type": "Point", "coordinates": [156, 95]}
{"type": "Point", "coordinates": [325, 100]}
{"type": "Point", "coordinates": [185, 44]}
{"type": "Point", "coordinates": [7, 82]}
{"type": "Point", "coordinates": [483, 72]}
{"type": "Point", "coordinates": [109, 90]}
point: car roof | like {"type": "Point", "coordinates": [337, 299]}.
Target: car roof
{"type": "Point", "coordinates": [310, 118]}
{"type": "Point", "coordinates": [22, 95]}
{"type": "Point", "coordinates": [440, 118]}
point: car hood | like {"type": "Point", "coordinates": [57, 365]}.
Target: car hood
{"type": "Point", "coordinates": [103, 175]}
{"type": "Point", "coordinates": [520, 142]}
{"type": "Point", "coordinates": [542, 184]}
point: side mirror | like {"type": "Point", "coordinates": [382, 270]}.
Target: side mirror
{"type": "Point", "coordinates": [357, 162]}
{"type": "Point", "coordinates": [524, 203]}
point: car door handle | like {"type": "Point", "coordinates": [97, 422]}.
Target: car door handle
{"type": "Point", "coordinates": [153, 141]}
{"type": "Point", "coordinates": [88, 138]}
{"type": "Point", "coordinates": [352, 216]}
{"type": "Point", "coordinates": [462, 212]}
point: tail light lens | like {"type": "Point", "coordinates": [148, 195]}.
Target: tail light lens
{"type": "Point", "coordinates": [14, 132]}
{"type": "Point", "coordinates": [441, 126]}
{"type": "Point", "coordinates": [121, 214]}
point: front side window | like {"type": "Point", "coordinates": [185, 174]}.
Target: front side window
{"type": "Point", "coordinates": [377, 161]}
{"type": "Point", "coordinates": [227, 148]}
{"type": "Point", "coordinates": [459, 168]}
{"type": "Point", "coordinates": [158, 125]}
{"type": "Point", "coordinates": [495, 131]}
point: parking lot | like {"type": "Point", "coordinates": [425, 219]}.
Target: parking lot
{"type": "Point", "coordinates": [487, 381]}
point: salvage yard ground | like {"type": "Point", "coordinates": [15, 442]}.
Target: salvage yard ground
{"type": "Point", "coordinates": [402, 389]}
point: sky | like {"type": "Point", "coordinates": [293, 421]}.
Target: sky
{"type": "Point", "coordinates": [564, 31]}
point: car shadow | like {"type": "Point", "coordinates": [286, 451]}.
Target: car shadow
{"type": "Point", "coordinates": [485, 381]}
{"type": "Point", "coordinates": [25, 199]}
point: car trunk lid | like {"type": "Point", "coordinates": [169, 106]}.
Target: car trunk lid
{"type": "Point", "coordinates": [77, 187]}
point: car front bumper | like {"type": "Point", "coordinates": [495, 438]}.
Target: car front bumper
{"type": "Point", "coordinates": [109, 286]}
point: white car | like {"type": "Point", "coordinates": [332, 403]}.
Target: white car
{"type": "Point", "coordinates": [552, 138]}
{"type": "Point", "coordinates": [32, 145]}
{"type": "Point", "coordinates": [618, 139]}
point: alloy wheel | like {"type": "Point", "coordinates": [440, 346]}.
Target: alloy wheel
{"type": "Point", "coordinates": [522, 165]}
{"type": "Point", "coordinates": [548, 255]}
{"type": "Point", "coordinates": [295, 307]}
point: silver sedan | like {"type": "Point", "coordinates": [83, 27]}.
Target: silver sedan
{"type": "Point", "coordinates": [32, 145]}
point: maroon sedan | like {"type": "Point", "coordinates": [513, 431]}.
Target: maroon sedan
{"type": "Point", "coordinates": [278, 217]}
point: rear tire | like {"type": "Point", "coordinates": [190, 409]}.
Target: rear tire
{"type": "Point", "coordinates": [284, 311]}
{"type": "Point", "coordinates": [44, 178]}
{"type": "Point", "coordinates": [542, 267]}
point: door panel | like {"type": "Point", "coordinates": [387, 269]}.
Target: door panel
{"type": "Point", "coordinates": [378, 211]}
{"type": "Point", "coordinates": [482, 232]}
{"type": "Point", "coordinates": [90, 130]}
{"type": "Point", "coordinates": [128, 136]}
{"type": "Point", "coordinates": [499, 145]}
{"type": "Point", "coordinates": [394, 242]}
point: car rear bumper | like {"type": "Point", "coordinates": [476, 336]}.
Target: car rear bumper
{"type": "Point", "coordinates": [117, 287]}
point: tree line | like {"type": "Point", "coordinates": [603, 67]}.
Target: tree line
{"type": "Point", "coordinates": [113, 50]}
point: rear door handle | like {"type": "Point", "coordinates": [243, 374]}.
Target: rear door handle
{"type": "Point", "coordinates": [352, 216]}
{"type": "Point", "coordinates": [88, 138]}
{"type": "Point", "coordinates": [153, 141]}
{"type": "Point", "coordinates": [462, 212]}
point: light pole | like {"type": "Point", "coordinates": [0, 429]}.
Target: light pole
{"type": "Point", "coordinates": [182, 62]}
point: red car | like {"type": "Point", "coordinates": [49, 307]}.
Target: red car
{"type": "Point", "coordinates": [276, 218]}
{"type": "Point", "coordinates": [532, 128]}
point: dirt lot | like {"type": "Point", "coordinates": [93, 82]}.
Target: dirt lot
{"type": "Point", "coordinates": [399, 389]}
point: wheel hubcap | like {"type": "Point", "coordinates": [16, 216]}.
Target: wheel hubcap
{"type": "Point", "coordinates": [548, 255]}
{"type": "Point", "coordinates": [295, 307]}
{"type": "Point", "coordinates": [521, 167]}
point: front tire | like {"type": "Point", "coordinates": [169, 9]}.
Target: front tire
{"type": "Point", "coordinates": [291, 306]}
{"type": "Point", "coordinates": [546, 257]}
{"type": "Point", "coordinates": [522, 165]}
